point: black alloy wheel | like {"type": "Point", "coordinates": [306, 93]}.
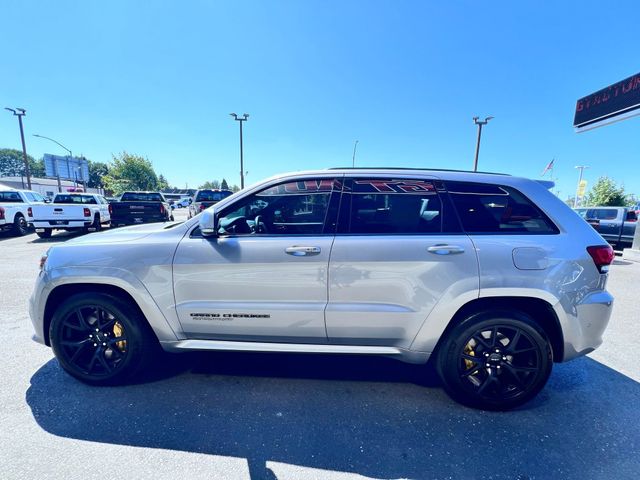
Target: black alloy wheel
{"type": "Point", "coordinates": [100, 339]}
{"type": "Point", "coordinates": [496, 363]}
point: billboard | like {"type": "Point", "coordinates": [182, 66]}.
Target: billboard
{"type": "Point", "coordinates": [611, 104]}
{"type": "Point", "coordinates": [67, 168]}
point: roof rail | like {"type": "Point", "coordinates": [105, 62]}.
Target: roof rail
{"type": "Point", "coordinates": [421, 169]}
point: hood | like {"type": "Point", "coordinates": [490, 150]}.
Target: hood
{"type": "Point", "coordinates": [125, 234]}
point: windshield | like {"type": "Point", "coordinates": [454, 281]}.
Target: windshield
{"type": "Point", "coordinates": [141, 197]}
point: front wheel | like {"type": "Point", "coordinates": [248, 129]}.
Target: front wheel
{"type": "Point", "coordinates": [100, 339]}
{"type": "Point", "coordinates": [495, 360]}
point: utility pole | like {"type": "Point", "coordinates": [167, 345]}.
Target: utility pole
{"type": "Point", "coordinates": [353, 160]}
{"type": "Point", "coordinates": [581, 168]}
{"type": "Point", "coordinates": [21, 112]}
{"type": "Point", "coordinates": [480, 123]}
{"type": "Point", "coordinates": [241, 119]}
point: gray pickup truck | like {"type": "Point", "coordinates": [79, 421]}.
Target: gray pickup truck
{"type": "Point", "coordinates": [617, 225]}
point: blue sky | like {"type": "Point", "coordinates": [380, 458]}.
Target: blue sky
{"type": "Point", "coordinates": [404, 78]}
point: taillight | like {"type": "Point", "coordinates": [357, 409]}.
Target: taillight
{"type": "Point", "coordinates": [202, 207]}
{"type": "Point", "coordinates": [1, 213]}
{"type": "Point", "coordinates": [161, 209]}
{"type": "Point", "coordinates": [30, 212]}
{"type": "Point", "coordinates": [87, 212]}
{"type": "Point", "coordinates": [602, 256]}
{"type": "Point", "coordinates": [110, 209]}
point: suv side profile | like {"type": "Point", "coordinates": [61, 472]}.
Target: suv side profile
{"type": "Point", "coordinates": [491, 276]}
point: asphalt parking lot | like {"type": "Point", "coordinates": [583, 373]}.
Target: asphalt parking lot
{"type": "Point", "coordinates": [241, 416]}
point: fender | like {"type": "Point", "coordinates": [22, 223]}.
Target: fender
{"type": "Point", "coordinates": [164, 323]}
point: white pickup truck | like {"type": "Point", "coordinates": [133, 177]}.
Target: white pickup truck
{"type": "Point", "coordinates": [72, 211]}
{"type": "Point", "coordinates": [16, 209]}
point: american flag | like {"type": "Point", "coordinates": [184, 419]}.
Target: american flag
{"type": "Point", "coordinates": [548, 167]}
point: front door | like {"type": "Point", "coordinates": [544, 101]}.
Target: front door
{"type": "Point", "coordinates": [264, 278]}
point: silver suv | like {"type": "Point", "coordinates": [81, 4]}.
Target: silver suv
{"type": "Point", "coordinates": [491, 276]}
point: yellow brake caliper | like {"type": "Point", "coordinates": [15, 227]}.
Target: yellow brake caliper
{"type": "Point", "coordinates": [118, 330]}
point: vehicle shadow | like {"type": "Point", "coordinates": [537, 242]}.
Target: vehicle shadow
{"type": "Point", "coordinates": [370, 416]}
{"type": "Point", "coordinates": [57, 237]}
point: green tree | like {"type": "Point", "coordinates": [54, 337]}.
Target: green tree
{"type": "Point", "coordinates": [213, 185]}
{"type": "Point", "coordinates": [235, 188]}
{"type": "Point", "coordinates": [130, 172]}
{"type": "Point", "coordinates": [605, 193]}
{"type": "Point", "coordinates": [162, 183]}
{"type": "Point", "coordinates": [97, 172]}
{"type": "Point", "coordinates": [224, 185]}
{"type": "Point", "coordinates": [12, 164]}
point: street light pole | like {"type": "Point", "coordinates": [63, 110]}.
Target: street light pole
{"type": "Point", "coordinates": [56, 163]}
{"type": "Point", "coordinates": [241, 119]}
{"type": "Point", "coordinates": [480, 123]}
{"type": "Point", "coordinates": [21, 112]}
{"type": "Point", "coordinates": [581, 168]}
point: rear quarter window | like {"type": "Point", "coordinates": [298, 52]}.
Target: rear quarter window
{"type": "Point", "coordinates": [485, 208]}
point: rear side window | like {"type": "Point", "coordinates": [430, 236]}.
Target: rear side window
{"type": "Point", "coordinates": [10, 197]}
{"type": "Point", "coordinates": [485, 208]}
{"type": "Point", "coordinates": [391, 207]}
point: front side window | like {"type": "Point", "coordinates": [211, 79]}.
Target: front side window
{"type": "Point", "coordinates": [391, 206]}
{"type": "Point", "coordinates": [293, 208]}
{"type": "Point", "coordinates": [486, 208]}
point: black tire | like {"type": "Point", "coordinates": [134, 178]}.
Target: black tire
{"type": "Point", "coordinates": [46, 233]}
{"type": "Point", "coordinates": [97, 225]}
{"type": "Point", "coordinates": [102, 339]}
{"type": "Point", "coordinates": [171, 219]}
{"type": "Point", "coordinates": [495, 360]}
{"type": "Point", "coordinates": [20, 226]}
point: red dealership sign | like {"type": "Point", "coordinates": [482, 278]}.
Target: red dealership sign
{"type": "Point", "coordinates": [615, 102]}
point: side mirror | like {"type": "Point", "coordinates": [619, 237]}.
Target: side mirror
{"type": "Point", "coordinates": [208, 223]}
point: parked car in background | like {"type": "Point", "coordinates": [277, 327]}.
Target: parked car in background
{"type": "Point", "coordinates": [140, 207]}
{"type": "Point", "coordinates": [617, 225]}
{"type": "Point", "coordinates": [492, 276]}
{"type": "Point", "coordinates": [203, 199]}
{"type": "Point", "coordinates": [16, 209]}
{"type": "Point", "coordinates": [87, 212]}
{"type": "Point", "coordinates": [183, 202]}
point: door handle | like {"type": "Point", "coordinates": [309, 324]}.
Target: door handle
{"type": "Point", "coordinates": [445, 249]}
{"type": "Point", "coordinates": [302, 251]}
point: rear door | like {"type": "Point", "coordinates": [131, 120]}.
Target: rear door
{"type": "Point", "coordinates": [264, 278]}
{"type": "Point", "coordinates": [399, 251]}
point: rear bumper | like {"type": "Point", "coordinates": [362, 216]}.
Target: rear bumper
{"type": "Point", "coordinates": [62, 224]}
{"type": "Point", "coordinates": [585, 324]}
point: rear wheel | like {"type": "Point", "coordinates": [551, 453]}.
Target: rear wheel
{"type": "Point", "coordinates": [101, 340]}
{"type": "Point", "coordinates": [495, 360]}
{"type": "Point", "coordinates": [46, 233]}
{"type": "Point", "coordinates": [20, 226]}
